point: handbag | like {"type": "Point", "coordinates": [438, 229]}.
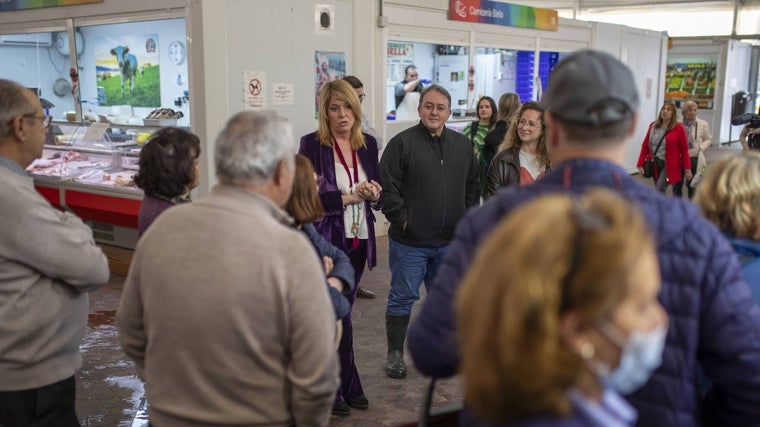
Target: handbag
{"type": "Point", "coordinates": [648, 168]}
{"type": "Point", "coordinates": [648, 165]}
{"type": "Point", "coordinates": [447, 417]}
{"type": "Point", "coordinates": [701, 170]}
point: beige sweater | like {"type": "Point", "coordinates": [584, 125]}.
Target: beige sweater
{"type": "Point", "coordinates": [700, 131]}
{"type": "Point", "coordinates": [48, 264]}
{"type": "Point", "coordinates": [226, 314]}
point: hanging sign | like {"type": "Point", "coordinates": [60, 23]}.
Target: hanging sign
{"type": "Point", "coordinates": [507, 14]}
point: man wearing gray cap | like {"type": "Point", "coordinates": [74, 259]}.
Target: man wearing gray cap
{"type": "Point", "coordinates": [591, 105]}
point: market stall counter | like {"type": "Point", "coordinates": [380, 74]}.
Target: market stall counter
{"type": "Point", "coordinates": [84, 171]}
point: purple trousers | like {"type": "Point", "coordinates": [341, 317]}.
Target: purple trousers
{"type": "Point", "coordinates": [350, 384]}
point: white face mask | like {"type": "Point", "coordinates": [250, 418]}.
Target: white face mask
{"type": "Point", "coordinates": [642, 354]}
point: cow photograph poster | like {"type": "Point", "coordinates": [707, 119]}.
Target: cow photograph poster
{"type": "Point", "coordinates": [128, 72]}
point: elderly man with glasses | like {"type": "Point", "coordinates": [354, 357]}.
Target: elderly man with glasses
{"type": "Point", "coordinates": [48, 264]}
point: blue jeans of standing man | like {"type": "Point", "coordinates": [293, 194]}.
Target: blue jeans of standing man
{"type": "Point", "coordinates": [410, 266]}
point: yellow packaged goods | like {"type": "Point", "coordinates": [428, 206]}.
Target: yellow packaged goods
{"type": "Point", "coordinates": [143, 137]}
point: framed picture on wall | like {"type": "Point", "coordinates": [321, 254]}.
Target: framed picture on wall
{"type": "Point", "coordinates": [329, 66]}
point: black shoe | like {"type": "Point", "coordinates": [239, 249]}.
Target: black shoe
{"type": "Point", "coordinates": [360, 402]}
{"type": "Point", "coordinates": [365, 293]}
{"type": "Point", "coordinates": [395, 330]}
{"type": "Point", "coordinates": [396, 368]}
{"type": "Point", "coordinates": [341, 409]}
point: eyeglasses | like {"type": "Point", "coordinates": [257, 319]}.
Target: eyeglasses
{"type": "Point", "coordinates": [45, 119]}
{"type": "Point", "coordinates": [439, 108]}
{"type": "Point", "coordinates": [528, 124]}
{"type": "Point", "coordinates": [362, 96]}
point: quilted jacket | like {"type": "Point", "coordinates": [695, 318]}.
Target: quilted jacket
{"type": "Point", "coordinates": [714, 320]}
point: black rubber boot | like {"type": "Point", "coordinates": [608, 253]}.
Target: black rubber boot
{"type": "Point", "coordinates": [395, 329]}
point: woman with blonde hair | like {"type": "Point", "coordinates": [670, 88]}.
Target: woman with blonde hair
{"type": "Point", "coordinates": [667, 144]}
{"type": "Point", "coordinates": [508, 104]}
{"type": "Point", "coordinates": [523, 157]}
{"type": "Point", "coordinates": [345, 160]}
{"type": "Point", "coordinates": [729, 196]}
{"type": "Point", "coordinates": [583, 324]}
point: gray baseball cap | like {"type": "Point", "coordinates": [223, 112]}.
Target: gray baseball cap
{"type": "Point", "coordinates": [591, 87]}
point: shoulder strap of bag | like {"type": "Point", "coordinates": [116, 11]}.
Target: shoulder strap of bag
{"type": "Point", "coordinates": [660, 143]}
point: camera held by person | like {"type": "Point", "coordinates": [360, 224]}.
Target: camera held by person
{"type": "Point", "coordinates": [750, 135]}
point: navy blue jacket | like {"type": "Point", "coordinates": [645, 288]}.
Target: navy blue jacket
{"type": "Point", "coordinates": [341, 269]}
{"type": "Point", "coordinates": [714, 320]}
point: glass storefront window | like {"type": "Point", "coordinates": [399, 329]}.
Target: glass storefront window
{"type": "Point", "coordinates": [499, 71]}
{"type": "Point", "coordinates": [136, 71]}
{"type": "Point", "coordinates": [446, 65]}
{"type": "Point", "coordinates": [121, 73]}
{"type": "Point", "coordinates": [35, 61]}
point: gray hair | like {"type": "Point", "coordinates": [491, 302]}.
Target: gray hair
{"type": "Point", "coordinates": [251, 146]}
{"type": "Point", "coordinates": [13, 104]}
{"type": "Point", "coordinates": [687, 104]}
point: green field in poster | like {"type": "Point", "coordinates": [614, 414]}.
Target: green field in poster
{"type": "Point", "coordinates": [147, 89]}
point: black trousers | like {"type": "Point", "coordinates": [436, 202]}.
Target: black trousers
{"type": "Point", "coordinates": [48, 406]}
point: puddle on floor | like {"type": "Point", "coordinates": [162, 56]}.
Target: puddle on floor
{"type": "Point", "coordinates": [137, 410]}
{"type": "Point", "coordinates": [98, 318]}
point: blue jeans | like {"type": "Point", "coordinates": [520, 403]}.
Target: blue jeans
{"type": "Point", "coordinates": [410, 266]}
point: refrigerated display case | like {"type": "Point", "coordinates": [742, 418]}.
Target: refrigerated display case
{"type": "Point", "coordinates": [89, 170]}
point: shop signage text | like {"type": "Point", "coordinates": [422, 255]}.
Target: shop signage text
{"type": "Point", "coordinates": [507, 14]}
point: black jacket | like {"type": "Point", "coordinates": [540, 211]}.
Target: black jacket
{"type": "Point", "coordinates": [428, 184]}
{"type": "Point", "coordinates": [504, 171]}
{"type": "Point", "coordinates": [493, 140]}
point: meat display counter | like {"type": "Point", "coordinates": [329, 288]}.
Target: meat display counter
{"type": "Point", "coordinates": [89, 170]}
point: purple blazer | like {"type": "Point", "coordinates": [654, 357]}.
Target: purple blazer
{"type": "Point", "coordinates": [331, 226]}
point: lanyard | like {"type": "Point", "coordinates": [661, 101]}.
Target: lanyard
{"type": "Point", "coordinates": [355, 180]}
{"type": "Point", "coordinates": [355, 210]}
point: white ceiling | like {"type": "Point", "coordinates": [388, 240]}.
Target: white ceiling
{"type": "Point", "coordinates": [583, 5]}
{"type": "Point", "coordinates": [678, 17]}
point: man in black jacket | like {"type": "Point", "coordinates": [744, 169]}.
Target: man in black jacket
{"type": "Point", "coordinates": [430, 177]}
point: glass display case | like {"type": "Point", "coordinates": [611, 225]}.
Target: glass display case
{"type": "Point", "coordinates": [94, 155]}
{"type": "Point", "coordinates": [89, 169]}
